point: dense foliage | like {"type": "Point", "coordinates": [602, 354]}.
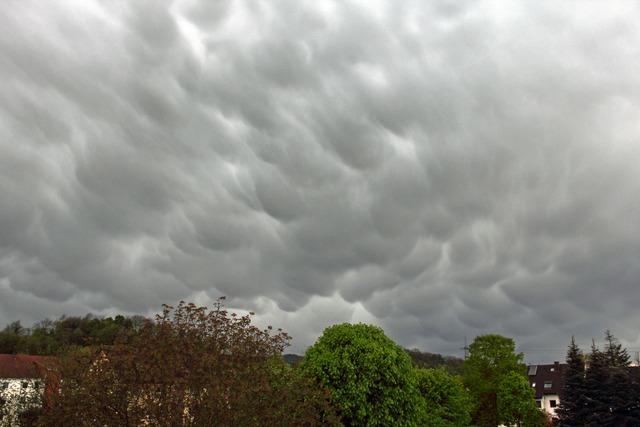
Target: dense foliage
{"type": "Point", "coordinates": [53, 337]}
{"type": "Point", "coordinates": [447, 401]}
{"type": "Point", "coordinates": [370, 378]}
{"type": "Point", "coordinates": [573, 406]}
{"type": "Point", "coordinates": [423, 359]}
{"type": "Point", "coordinates": [603, 394]}
{"type": "Point", "coordinates": [516, 402]}
{"type": "Point", "coordinates": [491, 359]}
{"type": "Point", "coordinates": [190, 367]}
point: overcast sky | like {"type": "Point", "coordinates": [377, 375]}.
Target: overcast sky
{"type": "Point", "coordinates": [440, 168]}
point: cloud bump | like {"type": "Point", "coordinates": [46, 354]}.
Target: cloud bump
{"type": "Point", "coordinates": [442, 170]}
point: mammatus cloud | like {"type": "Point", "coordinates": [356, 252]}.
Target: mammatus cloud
{"type": "Point", "coordinates": [441, 169]}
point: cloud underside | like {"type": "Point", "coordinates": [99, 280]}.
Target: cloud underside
{"type": "Point", "coordinates": [442, 170]}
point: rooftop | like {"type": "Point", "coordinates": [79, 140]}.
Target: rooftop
{"type": "Point", "coordinates": [23, 366]}
{"type": "Point", "coordinates": [547, 379]}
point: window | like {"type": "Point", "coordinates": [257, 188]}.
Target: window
{"type": "Point", "coordinates": [538, 404]}
{"type": "Point", "coordinates": [547, 384]}
{"type": "Point", "coordinates": [552, 403]}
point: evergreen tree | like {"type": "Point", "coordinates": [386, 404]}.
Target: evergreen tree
{"type": "Point", "coordinates": [619, 386]}
{"type": "Point", "coordinates": [617, 357]}
{"type": "Point", "coordinates": [572, 410]}
{"type": "Point", "coordinates": [610, 392]}
{"type": "Point", "coordinates": [597, 390]}
{"type": "Point", "coordinates": [597, 399]}
{"type": "Point", "coordinates": [634, 409]}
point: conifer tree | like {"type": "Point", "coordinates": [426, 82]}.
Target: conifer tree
{"type": "Point", "coordinates": [617, 357]}
{"type": "Point", "coordinates": [597, 399]}
{"type": "Point", "coordinates": [572, 410]}
{"type": "Point", "coordinates": [619, 386]}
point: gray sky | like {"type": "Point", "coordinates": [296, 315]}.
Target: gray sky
{"type": "Point", "coordinates": [441, 168]}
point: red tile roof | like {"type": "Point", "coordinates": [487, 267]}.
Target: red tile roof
{"type": "Point", "coordinates": [23, 366]}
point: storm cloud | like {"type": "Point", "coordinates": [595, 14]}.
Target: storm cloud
{"type": "Point", "coordinates": [442, 169]}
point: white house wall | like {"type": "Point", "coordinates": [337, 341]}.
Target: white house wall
{"type": "Point", "coordinates": [546, 403]}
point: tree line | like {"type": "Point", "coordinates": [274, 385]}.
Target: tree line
{"type": "Point", "coordinates": [52, 337]}
{"type": "Point", "coordinates": [193, 366]}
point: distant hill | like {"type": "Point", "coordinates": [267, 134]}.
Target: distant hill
{"type": "Point", "coordinates": [424, 359]}
{"type": "Point", "coordinates": [292, 359]}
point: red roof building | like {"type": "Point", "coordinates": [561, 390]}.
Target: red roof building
{"type": "Point", "coordinates": [24, 366]}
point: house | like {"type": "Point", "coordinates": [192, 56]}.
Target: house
{"type": "Point", "coordinates": [548, 382]}
{"type": "Point", "coordinates": [22, 384]}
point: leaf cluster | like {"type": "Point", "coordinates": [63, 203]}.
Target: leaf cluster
{"type": "Point", "coordinates": [447, 402]}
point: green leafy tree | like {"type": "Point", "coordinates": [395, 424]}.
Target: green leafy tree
{"type": "Point", "coordinates": [308, 403]}
{"type": "Point", "coordinates": [516, 402]}
{"type": "Point", "coordinates": [448, 403]}
{"type": "Point", "coordinates": [12, 338]}
{"type": "Point", "coordinates": [370, 378]}
{"type": "Point", "coordinates": [573, 408]}
{"type": "Point", "coordinates": [491, 358]}
{"type": "Point", "coordinates": [16, 328]}
{"type": "Point", "coordinates": [10, 342]}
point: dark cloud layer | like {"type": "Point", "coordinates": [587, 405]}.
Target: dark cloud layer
{"type": "Point", "coordinates": [441, 169]}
